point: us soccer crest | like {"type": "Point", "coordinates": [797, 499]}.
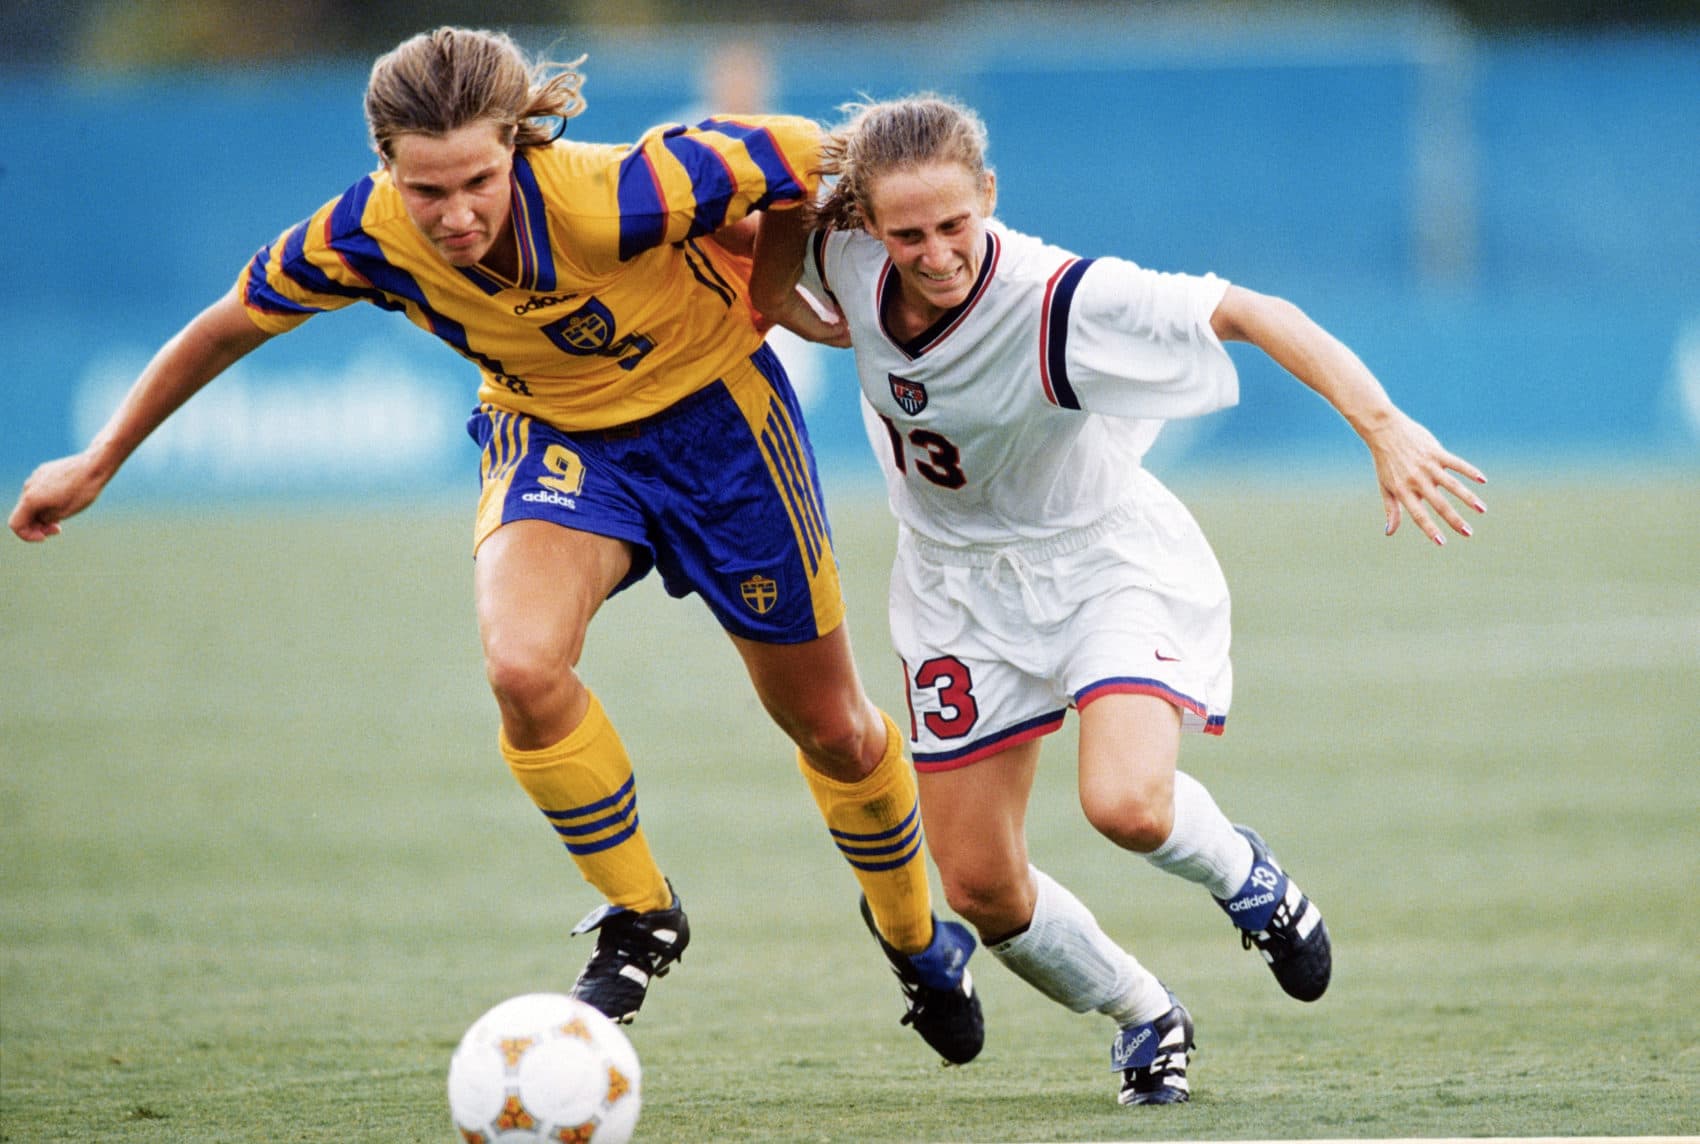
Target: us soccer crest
{"type": "Point", "coordinates": [911, 396]}
{"type": "Point", "coordinates": [760, 593]}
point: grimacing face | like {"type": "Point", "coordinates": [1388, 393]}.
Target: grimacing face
{"type": "Point", "coordinates": [932, 220]}
{"type": "Point", "coordinates": [455, 188]}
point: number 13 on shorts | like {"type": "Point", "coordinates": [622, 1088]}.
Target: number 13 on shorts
{"type": "Point", "coordinates": [949, 680]}
{"type": "Point", "coordinates": [956, 720]}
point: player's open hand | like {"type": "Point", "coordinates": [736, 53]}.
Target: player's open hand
{"type": "Point", "coordinates": [1417, 478]}
{"type": "Point", "coordinates": [56, 490]}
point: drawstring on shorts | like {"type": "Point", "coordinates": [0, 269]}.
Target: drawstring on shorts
{"type": "Point", "coordinates": [1020, 556]}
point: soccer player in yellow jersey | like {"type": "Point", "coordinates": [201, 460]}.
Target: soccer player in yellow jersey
{"type": "Point", "coordinates": [630, 418]}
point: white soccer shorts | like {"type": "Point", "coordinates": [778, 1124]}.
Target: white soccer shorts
{"type": "Point", "coordinates": [998, 643]}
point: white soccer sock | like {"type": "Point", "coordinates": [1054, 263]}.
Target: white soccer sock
{"type": "Point", "coordinates": [1064, 954]}
{"type": "Point", "coordinates": [1204, 847]}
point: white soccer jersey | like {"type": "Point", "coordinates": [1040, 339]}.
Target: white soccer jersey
{"type": "Point", "coordinates": [1020, 414]}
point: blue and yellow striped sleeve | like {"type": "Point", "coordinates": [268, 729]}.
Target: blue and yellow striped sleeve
{"type": "Point", "coordinates": [300, 274]}
{"type": "Point", "coordinates": [681, 182]}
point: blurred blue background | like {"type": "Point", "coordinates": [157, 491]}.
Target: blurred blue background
{"type": "Point", "coordinates": [1504, 225]}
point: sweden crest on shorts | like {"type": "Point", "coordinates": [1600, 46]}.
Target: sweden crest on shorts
{"type": "Point", "coordinates": [911, 396]}
{"type": "Point", "coordinates": [760, 593]}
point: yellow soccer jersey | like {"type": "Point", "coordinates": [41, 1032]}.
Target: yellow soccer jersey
{"type": "Point", "coordinates": [618, 310]}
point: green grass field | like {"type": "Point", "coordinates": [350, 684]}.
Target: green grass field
{"type": "Point", "coordinates": [260, 863]}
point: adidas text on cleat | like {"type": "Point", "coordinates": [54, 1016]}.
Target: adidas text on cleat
{"type": "Point", "coordinates": [1277, 920]}
{"type": "Point", "coordinates": [631, 950]}
{"type": "Point", "coordinates": [1152, 1059]}
{"type": "Point", "coordinates": [943, 1006]}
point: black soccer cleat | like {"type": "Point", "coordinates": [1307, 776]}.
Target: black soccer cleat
{"type": "Point", "coordinates": [1152, 1059]}
{"type": "Point", "coordinates": [1277, 920]}
{"type": "Point", "coordinates": [632, 950]}
{"type": "Point", "coordinates": [943, 1006]}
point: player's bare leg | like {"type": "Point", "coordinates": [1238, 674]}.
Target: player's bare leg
{"type": "Point", "coordinates": [537, 586]}
{"type": "Point", "coordinates": [851, 756]}
{"type": "Point", "coordinates": [1132, 792]}
{"type": "Point", "coordinates": [1128, 748]}
{"type": "Point", "coordinates": [813, 691]}
{"type": "Point", "coordinates": [976, 829]}
{"type": "Point", "coordinates": [976, 820]}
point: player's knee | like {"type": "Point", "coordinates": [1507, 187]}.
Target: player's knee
{"type": "Point", "coordinates": [1130, 820]}
{"type": "Point", "coordinates": [838, 742]}
{"type": "Point", "coordinates": [525, 676]}
{"type": "Point", "coordinates": [986, 900]}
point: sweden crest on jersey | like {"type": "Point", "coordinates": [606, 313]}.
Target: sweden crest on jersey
{"type": "Point", "coordinates": [587, 330]}
{"type": "Point", "coordinates": [911, 396]}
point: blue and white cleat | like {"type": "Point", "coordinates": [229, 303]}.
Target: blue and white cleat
{"type": "Point", "coordinates": [1276, 918]}
{"type": "Point", "coordinates": [942, 1004]}
{"type": "Point", "coordinates": [1152, 1059]}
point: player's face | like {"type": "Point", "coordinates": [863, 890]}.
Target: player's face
{"type": "Point", "coordinates": [932, 221]}
{"type": "Point", "coordinates": [455, 188]}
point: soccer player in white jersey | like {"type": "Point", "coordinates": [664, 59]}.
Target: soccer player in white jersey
{"type": "Point", "coordinates": [1010, 390]}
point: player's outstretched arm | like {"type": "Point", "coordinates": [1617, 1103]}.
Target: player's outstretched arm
{"type": "Point", "coordinates": [1415, 471]}
{"type": "Point", "coordinates": [199, 352]}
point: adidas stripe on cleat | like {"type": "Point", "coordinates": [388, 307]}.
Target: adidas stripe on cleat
{"type": "Point", "coordinates": [1276, 919]}
{"type": "Point", "coordinates": [942, 1004]}
{"type": "Point", "coordinates": [632, 950]}
{"type": "Point", "coordinates": [1152, 1059]}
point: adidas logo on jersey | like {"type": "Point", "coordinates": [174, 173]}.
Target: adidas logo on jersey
{"type": "Point", "coordinates": [541, 301]}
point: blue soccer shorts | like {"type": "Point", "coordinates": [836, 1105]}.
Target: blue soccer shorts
{"type": "Point", "coordinates": [718, 492]}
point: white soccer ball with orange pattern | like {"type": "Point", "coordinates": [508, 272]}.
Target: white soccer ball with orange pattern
{"type": "Point", "coordinates": [544, 1067]}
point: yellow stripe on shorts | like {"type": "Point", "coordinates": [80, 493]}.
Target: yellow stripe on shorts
{"type": "Point", "coordinates": [510, 433]}
{"type": "Point", "coordinates": [787, 466]}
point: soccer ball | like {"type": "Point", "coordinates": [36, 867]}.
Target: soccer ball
{"type": "Point", "coordinates": [544, 1067]}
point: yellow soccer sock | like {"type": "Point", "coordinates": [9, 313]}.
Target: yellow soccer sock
{"type": "Point", "coordinates": [585, 788]}
{"type": "Point", "coordinates": [876, 824]}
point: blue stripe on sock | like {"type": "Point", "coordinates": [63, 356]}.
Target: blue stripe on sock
{"type": "Point", "coordinates": [583, 848]}
{"type": "Point", "coordinates": [597, 826]}
{"type": "Point", "coordinates": [618, 796]}
{"type": "Point", "coordinates": [904, 843]}
{"type": "Point", "coordinates": [901, 828]}
{"type": "Point", "coordinates": [906, 850]}
{"type": "Point", "coordinates": [913, 851]}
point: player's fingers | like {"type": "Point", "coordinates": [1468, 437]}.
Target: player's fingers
{"type": "Point", "coordinates": [1447, 512]}
{"type": "Point", "coordinates": [1452, 463]}
{"type": "Point", "coordinates": [35, 531]}
{"type": "Point", "coordinates": [22, 521]}
{"type": "Point", "coordinates": [1416, 507]}
{"type": "Point", "coordinates": [1456, 487]}
{"type": "Point", "coordinates": [1459, 465]}
{"type": "Point", "coordinates": [1390, 509]}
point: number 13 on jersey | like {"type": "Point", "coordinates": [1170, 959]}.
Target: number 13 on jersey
{"type": "Point", "coordinates": [942, 461]}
